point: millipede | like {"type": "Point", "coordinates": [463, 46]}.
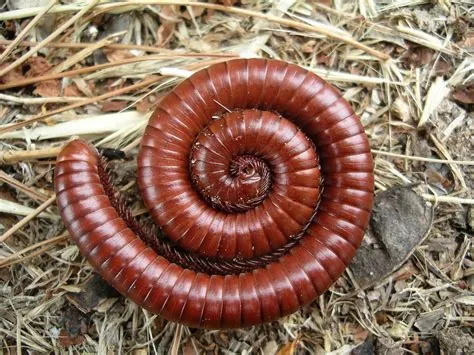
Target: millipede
{"type": "Point", "coordinates": [259, 177]}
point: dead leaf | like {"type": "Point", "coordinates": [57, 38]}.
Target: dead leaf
{"type": "Point", "coordinates": [435, 178]}
{"type": "Point", "coordinates": [65, 340]}
{"type": "Point", "coordinates": [464, 94]}
{"type": "Point", "coordinates": [358, 333]}
{"type": "Point", "coordinates": [13, 75]}
{"type": "Point", "coordinates": [197, 12]}
{"type": "Point", "coordinates": [165, 33]}
{"type": "Point", "coordinates": [84, 87]}
{"type": "Point", "coordinates": [325, 60]}
{"type": "Point", "coordinates": [417, 56]}
{"type": "Point", "coordinates": [170, 13]}
{"type": "Point", "coordinates": [38, 66]}
{"type": "Point", "coordinates": [117, 55]}
{"type": "Point", "coordinates": [210, 12]}
{"type": "Point", "coordinates": [98, 19]}
{"type": "Point", "coordinates": [91, 86]}
{"type": "Point", "coordinates": [148, 103]}
{"type": "Point", "coordinates": [188, 348]}
{"type": "Point", "coordinates": [308, 47]}
{"type": "Point", "coordinates": [405, 272]}
{"type": "Point", "coordinates": [75, 324]}
{"type": "Point", "coordinates": [113, 106]}
{"type": "Point", "coordinates": [468, 42]}
{"type": "Point", "coordinates": [169, 17]}
{"type": "Point", "coordinates": [442, 67]}
{"type": "Point", "coordinates": [113, 84]}
{"type": "Point", "coordinates": [72, 91]}
{"type": "Point", "coordinates": [381, 318]}
{"type": "Point", "coordinates": [48, 88]}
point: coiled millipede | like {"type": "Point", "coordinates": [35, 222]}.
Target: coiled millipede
{"type": "Point", "coordinates": [260, 178]}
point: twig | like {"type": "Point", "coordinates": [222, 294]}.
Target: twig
{"type": "Point", "coordinates": [250, 13]}
{"type": "Point", "coordinates": [431, 160]}
{"type": "Point", "coordinates": [92, 100]}
{"type": "Point", "coordinates": [445, 153]}
{"type": "Point", "coordinates": [32, 255]}
{"type": "Point", "coordinates": [238, 11]}
{"type": "Point", "coordinates": [40, 100]}
{"type": "Point", "coordinates": [15, 258]}
{"type": "Point", "coordinates": [28, 218]}
{"type": "Point", "coordinates": [83, 53]}
{"type": "Point", "coordinates": [75, 72]}
{"type": "Point", "coordinates": [13, 157]}
{"type": "Point", "coordinates": [333, 11]}
{"type": "Point", "coordinates": [449, 199]}
{"type": "Point", "coordinates": [49, 39]}
{"type": "Point", "coordinates": [83, 45]}
{"type": "Point", "coordinates": [35, 195]}
{"type": "Point", "coordinates": [25, 31]}
{"type": "Point", "coordinates": [176, 339]}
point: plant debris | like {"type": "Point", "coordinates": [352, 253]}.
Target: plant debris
{"type": "Point", "coordinates": [96, 69]}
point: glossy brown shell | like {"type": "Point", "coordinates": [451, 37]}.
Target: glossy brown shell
{"type": "Point", "coordinates": [236, 187]}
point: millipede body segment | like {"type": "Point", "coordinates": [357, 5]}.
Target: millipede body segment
{"type": "Point", "coordinates": [260, 177]}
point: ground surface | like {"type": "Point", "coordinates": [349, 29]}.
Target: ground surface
{"type": "Point", "coordinates": [405, 67]}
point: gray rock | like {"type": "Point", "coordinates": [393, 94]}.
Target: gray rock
{"type": "Point", "coordinates": [400, 221]}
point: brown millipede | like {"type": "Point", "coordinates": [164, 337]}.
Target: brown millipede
{"type": "Point", "coordinates": [261, 208]}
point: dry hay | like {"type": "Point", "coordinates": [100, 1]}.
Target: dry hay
{"type": "Point", "coordinates": [406, 68]}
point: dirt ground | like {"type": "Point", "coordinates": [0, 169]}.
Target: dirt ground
{"type": "Point", "coordinates": [405, 66]}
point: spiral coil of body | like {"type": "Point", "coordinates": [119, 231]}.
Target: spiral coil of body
{"type": "Point", "coordinates": [230, 168]}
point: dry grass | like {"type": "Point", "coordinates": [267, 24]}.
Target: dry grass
{"type": "Point", "coordinates": [397, 62]}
